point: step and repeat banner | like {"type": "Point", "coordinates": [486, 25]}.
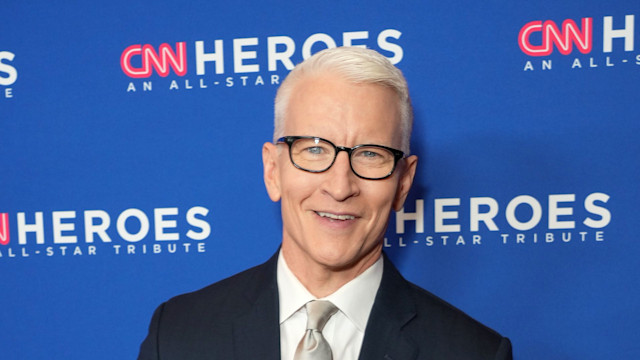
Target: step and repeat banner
{"type": "Point", "coordinates": [130, 161]}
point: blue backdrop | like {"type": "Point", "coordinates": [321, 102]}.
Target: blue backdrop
{"type": "Point", "coordinates": [130, 167]}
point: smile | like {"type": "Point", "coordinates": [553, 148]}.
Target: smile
{"type": "Point", "coordinates": [334, 216]}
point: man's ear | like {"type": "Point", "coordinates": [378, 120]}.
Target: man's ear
{"type": "Point", "coordinates": [406, 179]}
{"type": "Point", "coordinates": [271, 170]}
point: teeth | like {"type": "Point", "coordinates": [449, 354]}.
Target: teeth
{"type": "Point", "coordinates": [336, 217]}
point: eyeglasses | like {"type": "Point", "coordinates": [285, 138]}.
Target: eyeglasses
{"type": "Point", "coordinates": [367, 161]}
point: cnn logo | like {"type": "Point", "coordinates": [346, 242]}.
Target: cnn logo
{"type": "Point", "coordinates": [162, 61]}
{"type": "Point", "coordinates": [563, 37]}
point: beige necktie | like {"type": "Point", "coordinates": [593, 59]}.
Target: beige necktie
{"type": "Point", "coordinates": [313, 346]}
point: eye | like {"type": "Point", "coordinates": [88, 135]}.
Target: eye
{"type": "Point", "coordinates": [315, 150]}
{"type": "Point", "coordinates": [312, 150]}
{"type": "Point", "coordinates": [372, 155]}
{"type": "Point", "coordinates": [369, 154]}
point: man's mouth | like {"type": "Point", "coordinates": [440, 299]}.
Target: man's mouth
{"type": "Point", "coordinates": [334, 216]}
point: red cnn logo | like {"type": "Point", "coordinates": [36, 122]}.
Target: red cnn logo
{"type": "Point", "coordinates": [161, 61]}
{"type": "Point", "coordinates": [4, 228]}
{"type": "Point", "coordinates": [563, 39]}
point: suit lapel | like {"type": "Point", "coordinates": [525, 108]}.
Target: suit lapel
{"type": "Point", "coordinates": [257, 333]}
{"type": "Point", "coordinates": [392, 310]}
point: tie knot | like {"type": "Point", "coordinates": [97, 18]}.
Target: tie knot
{"type": "Point", "coordinates": [318, 313]}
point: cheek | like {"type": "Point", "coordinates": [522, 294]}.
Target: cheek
{"type": "Point", "coordinates": [296, 186]}
{"type": "Point", "coordinates": [381, 195]}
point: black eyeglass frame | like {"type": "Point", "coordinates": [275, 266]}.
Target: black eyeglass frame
{"type": "Point", "coordinates": [289, 140]}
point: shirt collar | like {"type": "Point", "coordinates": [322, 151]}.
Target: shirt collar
{"type": "Point", "coordinates": [291, 293]}
{"type": "Point", "coordinates": [354, 299]}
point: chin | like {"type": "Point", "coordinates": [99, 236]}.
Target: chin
{"type": "Point", "coordinates": [342, 260]}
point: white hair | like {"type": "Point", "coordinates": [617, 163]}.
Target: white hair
{"type": "Point", "coordinates": [356, 65]}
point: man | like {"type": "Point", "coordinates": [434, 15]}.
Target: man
{"type": "Point", "coordinates": [339, 164]}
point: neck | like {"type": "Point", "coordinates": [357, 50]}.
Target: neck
{"type": "Point", "coordinates": [322, 280]}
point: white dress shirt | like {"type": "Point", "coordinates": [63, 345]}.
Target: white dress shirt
{"type": "Point", "coordinates": [345, 330]}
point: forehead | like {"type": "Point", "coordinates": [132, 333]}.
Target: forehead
{"type": "Point", "coordinates": [332, 107]}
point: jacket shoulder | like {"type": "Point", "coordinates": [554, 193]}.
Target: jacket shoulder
{"type": "Point", "coordinates": [224, 296]}
{"type": "Point", "coordinates": [200, 323]}
{"type": "Point", "coordinates": [432, 327]}
{"type": "Point", "coordinates": [459, 336]}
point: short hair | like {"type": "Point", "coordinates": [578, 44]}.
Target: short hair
{"type": "Point", "coordinates": [356, 65]}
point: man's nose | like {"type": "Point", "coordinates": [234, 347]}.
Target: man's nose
{"type": "Point", "coordinates": [340, 181]}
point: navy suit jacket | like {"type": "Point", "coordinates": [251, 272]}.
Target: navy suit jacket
{"type": "Point", "coordinates": [238, 318]}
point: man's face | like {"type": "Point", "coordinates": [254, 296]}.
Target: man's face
{"type": "Point", "coordinates": [336, 219]}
